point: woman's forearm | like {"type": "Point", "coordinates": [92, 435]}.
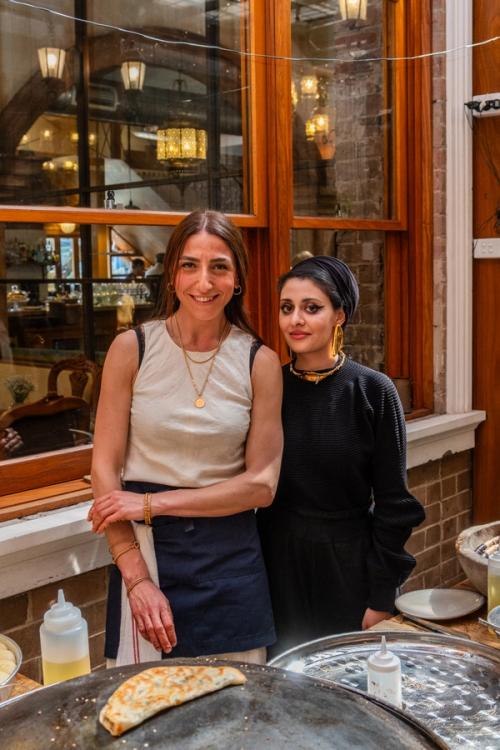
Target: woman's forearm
{"type": "Point", "coordinates": [243, 492]}
{"type": "Point", "coordinates": [120, 535]}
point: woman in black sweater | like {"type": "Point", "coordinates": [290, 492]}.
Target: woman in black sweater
{"type": "Point", "coordinates": [334, 538]}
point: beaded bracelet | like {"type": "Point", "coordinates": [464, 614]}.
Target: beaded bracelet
{"type": "Point", "coordinates": [134, 583]}
{"type": "Point", "coordinates": [147, 508]}
{"type": "Point", "coordinates": [133, 545]}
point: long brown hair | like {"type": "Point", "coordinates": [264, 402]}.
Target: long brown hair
{"type": "Point", "coordinates": [216, 223]}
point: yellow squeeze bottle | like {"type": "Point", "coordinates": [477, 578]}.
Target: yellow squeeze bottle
{"type": "Point", "coordinates": [64, 642]}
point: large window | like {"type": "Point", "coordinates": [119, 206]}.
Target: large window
{"type": "Point", "coordinates": [343, 111]}
{"type": "Point", "coordinates": [114, 126]}
{"type": "Point", "coordinates": [159, 116]}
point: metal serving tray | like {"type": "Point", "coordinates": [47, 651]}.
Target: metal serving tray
{"type": "Point", "coordinates": [450, 684]}
{"type": "Point", "coordinates": [273, 709]}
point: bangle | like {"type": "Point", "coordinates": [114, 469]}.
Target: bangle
{"type": "Point", "coordinates": [147, 508]}
{"type": "Point", "coordinates": [133, 545]}
{"type": "Point", "coordinates": [134, 583]}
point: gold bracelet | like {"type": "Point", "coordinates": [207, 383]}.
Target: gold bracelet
{"type": "Point", "coordinates": [133, 545]}
{"type": "Point", "coordinates": [134, 583]}
{"type": "Point", "coordinates": [147, 508]}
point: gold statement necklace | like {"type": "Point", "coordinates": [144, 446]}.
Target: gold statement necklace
{"type": "Point", "coordinates": [199, 401]}
{"type": "Point", "coordinates": [315, 377]}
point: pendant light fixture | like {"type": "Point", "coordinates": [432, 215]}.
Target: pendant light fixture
{"type": "Point", "coordinates": [51, 61]}
{"type": "Point", "coordinates": [181, 145]}
{"type": "Point", "coordinates": [133, 73]}
{"type": "Point", "coordinates": [353, 10]}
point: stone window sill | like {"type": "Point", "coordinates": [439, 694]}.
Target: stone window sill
{"type": "Point", "coordinates": [58, 544]}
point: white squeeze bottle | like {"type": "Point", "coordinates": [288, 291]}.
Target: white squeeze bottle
{"type": "Point", "coordinates": [64, 640]}
{"type": "Point", "coordinates": [384, 675]}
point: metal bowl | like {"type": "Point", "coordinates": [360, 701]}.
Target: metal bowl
{"type": "Point", "coordinates": [474, 565]}
{"type": "Point", "coordinates": [7, 685]}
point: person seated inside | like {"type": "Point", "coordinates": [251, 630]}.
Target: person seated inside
{"type": "Point", "coordinates": [157, 268]}
{"type": "Point", "coordinates": [138, 270]}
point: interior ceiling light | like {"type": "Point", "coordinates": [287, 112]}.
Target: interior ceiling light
{"type": "Point", "coordinates": [67, 227]}
{"type": "Point", "coordinates": [51, 61]}
{"type": "Point", "coordinates": [309, 85]}
{"type": "Point", "coordinates": [353, 10]}
{"type": "Point", "coordinates": [181, 145]}
{"type": "Point", "coordinates": [133, 73]}
{"type": "Point", "coordinates": [48, 166]}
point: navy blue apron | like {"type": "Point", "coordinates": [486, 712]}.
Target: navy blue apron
{"type": "Point", "coordinates": [212, 572]}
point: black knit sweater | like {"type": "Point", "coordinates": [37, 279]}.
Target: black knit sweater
{"type": "Point", "coordinates": [344, 457]}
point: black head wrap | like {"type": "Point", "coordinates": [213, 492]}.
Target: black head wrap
{"type": "Point", "coordinates": [341, 277]}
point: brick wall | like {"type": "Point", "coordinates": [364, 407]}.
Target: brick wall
{"type": "Point", "coordinates": [444, 488]}
{"type": "Point", "coordinates": [22, 615]}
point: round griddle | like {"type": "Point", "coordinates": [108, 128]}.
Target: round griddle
{"type": "Point", "coordinates": [274, 709]}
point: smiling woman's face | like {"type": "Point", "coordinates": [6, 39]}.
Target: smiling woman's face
{"type": "Point", "coordinates": [307, 317]}
{"type": "Point", "coordinates": [206, 276]}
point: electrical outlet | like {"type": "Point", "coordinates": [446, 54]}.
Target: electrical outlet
{"type": "Point", "coordinates": [487, 248]}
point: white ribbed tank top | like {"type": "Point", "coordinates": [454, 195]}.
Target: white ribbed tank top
{"type": "Point", "coordinates": [170, 440]}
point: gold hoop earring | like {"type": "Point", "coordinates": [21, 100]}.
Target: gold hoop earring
{"type": "Point", "coordinates": [337, 341]}
{"type": "Point", "coordinates": [237, 293]}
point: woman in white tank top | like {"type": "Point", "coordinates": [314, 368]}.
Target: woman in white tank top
{"type": "Point", "coordinates": [187, 444]}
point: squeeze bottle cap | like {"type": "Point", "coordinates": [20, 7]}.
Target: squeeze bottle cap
{"type": "Point", "coordinates": [62, 615]}
{"type": "Point", "coordinates": [383, 660]}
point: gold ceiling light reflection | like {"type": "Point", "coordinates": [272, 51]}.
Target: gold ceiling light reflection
{"type": "Point", "coordinates": [67, 227]}
{"type": "Point", "coordinates": [133, 73]}
{"type": "Point", "coordinates": [51, 60]}
{"type": "Point", "coordinates": [74, 138]}
{"type": "Point", "coordinates": [181, 145]}
{"type": "Point", "coordinates": [48, 166]}
{"type": "Point", "coordinates": [309, 85]}
{"type": "Point", "coordinates": [353, 10]}
{"type": "Point", "coordinates": [294, 94]}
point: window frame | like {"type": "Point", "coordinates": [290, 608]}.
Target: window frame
{"type": "Point", "coordinates": [408, 267]}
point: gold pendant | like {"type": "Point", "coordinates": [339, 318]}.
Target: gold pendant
{"type": "Point", "coordinates": [199, 403]}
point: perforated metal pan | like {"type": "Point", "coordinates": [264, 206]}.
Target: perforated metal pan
{"type": "Point", "coordinates": [450, 684]}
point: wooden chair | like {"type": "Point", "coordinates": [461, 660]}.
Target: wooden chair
{"type": "Point", "coordinates": [80, 369]}
{"type": "Point", "coordinates": [49, 424]}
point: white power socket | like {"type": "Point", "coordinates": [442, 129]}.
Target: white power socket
{"type": "Point", "coordinates": [487, 248]}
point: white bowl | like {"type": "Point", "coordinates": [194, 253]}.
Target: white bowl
{"type": "Point", "coordinates": [7, 685]}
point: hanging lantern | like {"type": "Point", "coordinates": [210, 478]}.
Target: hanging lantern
{"type": "Point", "coordinates": [309, 85]}
{"type": "Point", "coordinates": [133, 73]}
{"type": "Point", "coordinates": [353, 10]}
{"type": "Point", "coordinates": [181, 145]}
{"type": "Point", "coordinates": [51, 61]}
{"type": "Point", "coordinates": [310, 129]}
{"type": "Point", "coordinates": [321, 124]}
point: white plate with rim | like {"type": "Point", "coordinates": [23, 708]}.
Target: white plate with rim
{"type": "Point", "coordinates": [439, 604]}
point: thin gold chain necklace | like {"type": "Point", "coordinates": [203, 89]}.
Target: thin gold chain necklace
{"type": "Point", "coordinates": [315, 377]}
{"type": "Point", "coordinates": [199, 401]}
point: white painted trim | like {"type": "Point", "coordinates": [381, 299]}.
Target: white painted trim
{"type": "Point", "coordinates": [432, 438]}
{"type": "Point", "coordinates": [48, 547]}
{"type": "Point", "coordinates": [59, 544]}
{"type": "Point", "coordinates": [458, 209]}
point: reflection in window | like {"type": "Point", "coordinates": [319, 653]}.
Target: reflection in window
{"type": "Point", "coordinates": [165, 121]}
{"type": "Point", "coordinates": [364, 254]}
{"type": "Point", "coordinates": [342, 112]}
{"type": "Point", "coordinates": [52, 318]}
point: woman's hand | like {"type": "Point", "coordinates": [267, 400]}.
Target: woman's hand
{"type": "Point", "coordinates": [152, 613]}
{"type": "Point", "coordinates": [10, 442]}
{"type": "Point", "coordinates": [372, 616]}
{"type": "Point", "coordinates": [115, 506]}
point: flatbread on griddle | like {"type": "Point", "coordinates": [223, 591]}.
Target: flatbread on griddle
{"type": "Point", "coordinates": [158, 688]}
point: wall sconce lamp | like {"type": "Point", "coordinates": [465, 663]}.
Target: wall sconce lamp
{"type": "Point", "coordinates": [133, 73]}
{"type": "Point", "coordinates": [353, 10]}
{"type": "Point", "coordinates": [67, 227]}
{"type": "Point", "coordinates": [51, 61]}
